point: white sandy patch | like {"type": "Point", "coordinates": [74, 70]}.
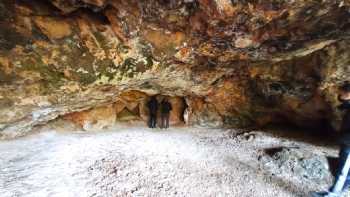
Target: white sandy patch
{"type": "Point", "coordinates": [138, 162]}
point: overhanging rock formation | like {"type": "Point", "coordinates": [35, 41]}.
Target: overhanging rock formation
{"type": "Point", "coordinates": [236, 63]}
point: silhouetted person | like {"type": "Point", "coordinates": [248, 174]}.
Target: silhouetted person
{"type": "Point", "coordinates": [153, 108]}
{"type": "Point", "coordinates": [342, 179]}
{"type": "Point", "coordinates": [165, 113]}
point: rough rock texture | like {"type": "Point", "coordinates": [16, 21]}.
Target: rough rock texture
{"type": "Point", "coordinates": [303, 164]}
{"type": "Point", "coordinates": [236, 63]}
{"type": "Point", "coordinates": [129, 106]}
{"type": "Point", "coordinates": [97, 118]}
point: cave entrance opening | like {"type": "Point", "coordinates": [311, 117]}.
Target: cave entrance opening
{"type": "Point", "coordinates": [132, 107]}
{"type": "Point", "coordinates": [129, 108]}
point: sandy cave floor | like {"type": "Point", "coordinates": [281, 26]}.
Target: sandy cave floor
{"type": "Point", "coordinates": [138, 161]}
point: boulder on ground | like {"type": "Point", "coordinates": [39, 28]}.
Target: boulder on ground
{"type": "Point", "coordinates": [298, 163]}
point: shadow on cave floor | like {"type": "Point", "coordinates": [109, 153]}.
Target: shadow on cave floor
{"type": "Point", "coordinates": [314, 136]}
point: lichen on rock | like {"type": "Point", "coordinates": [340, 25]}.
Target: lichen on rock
{"type": "Point", "coordinates": [236, 63]}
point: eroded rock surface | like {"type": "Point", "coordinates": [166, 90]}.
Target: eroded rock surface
{"type": "Point", "coordinates": [236, 63]}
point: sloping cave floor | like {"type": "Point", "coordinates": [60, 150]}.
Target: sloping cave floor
{"type": "Point", "coordinates": [137, 161]}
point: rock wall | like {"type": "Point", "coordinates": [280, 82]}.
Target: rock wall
{"type": "Point", "coordinates": [130, 106]}
{"type": "Point", "coordinates": [237, 63]}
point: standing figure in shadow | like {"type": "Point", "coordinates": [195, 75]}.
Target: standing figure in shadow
{"type": "Point", "coordinates": [342, 180]}
{"type": "Point", "coordinates": [153, 108]}
{"type": "Point", "coordinates": [165, 113]}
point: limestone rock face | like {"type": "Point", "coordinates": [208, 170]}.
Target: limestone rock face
{"type": "Point", "coordinates": [129, 106]}
{"type": "Point", "coordinates": [236, 63]}
{"type": "Point", "coordinates": [95, 119]}
{"type": "Point", "coordinates": [177, 112]}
